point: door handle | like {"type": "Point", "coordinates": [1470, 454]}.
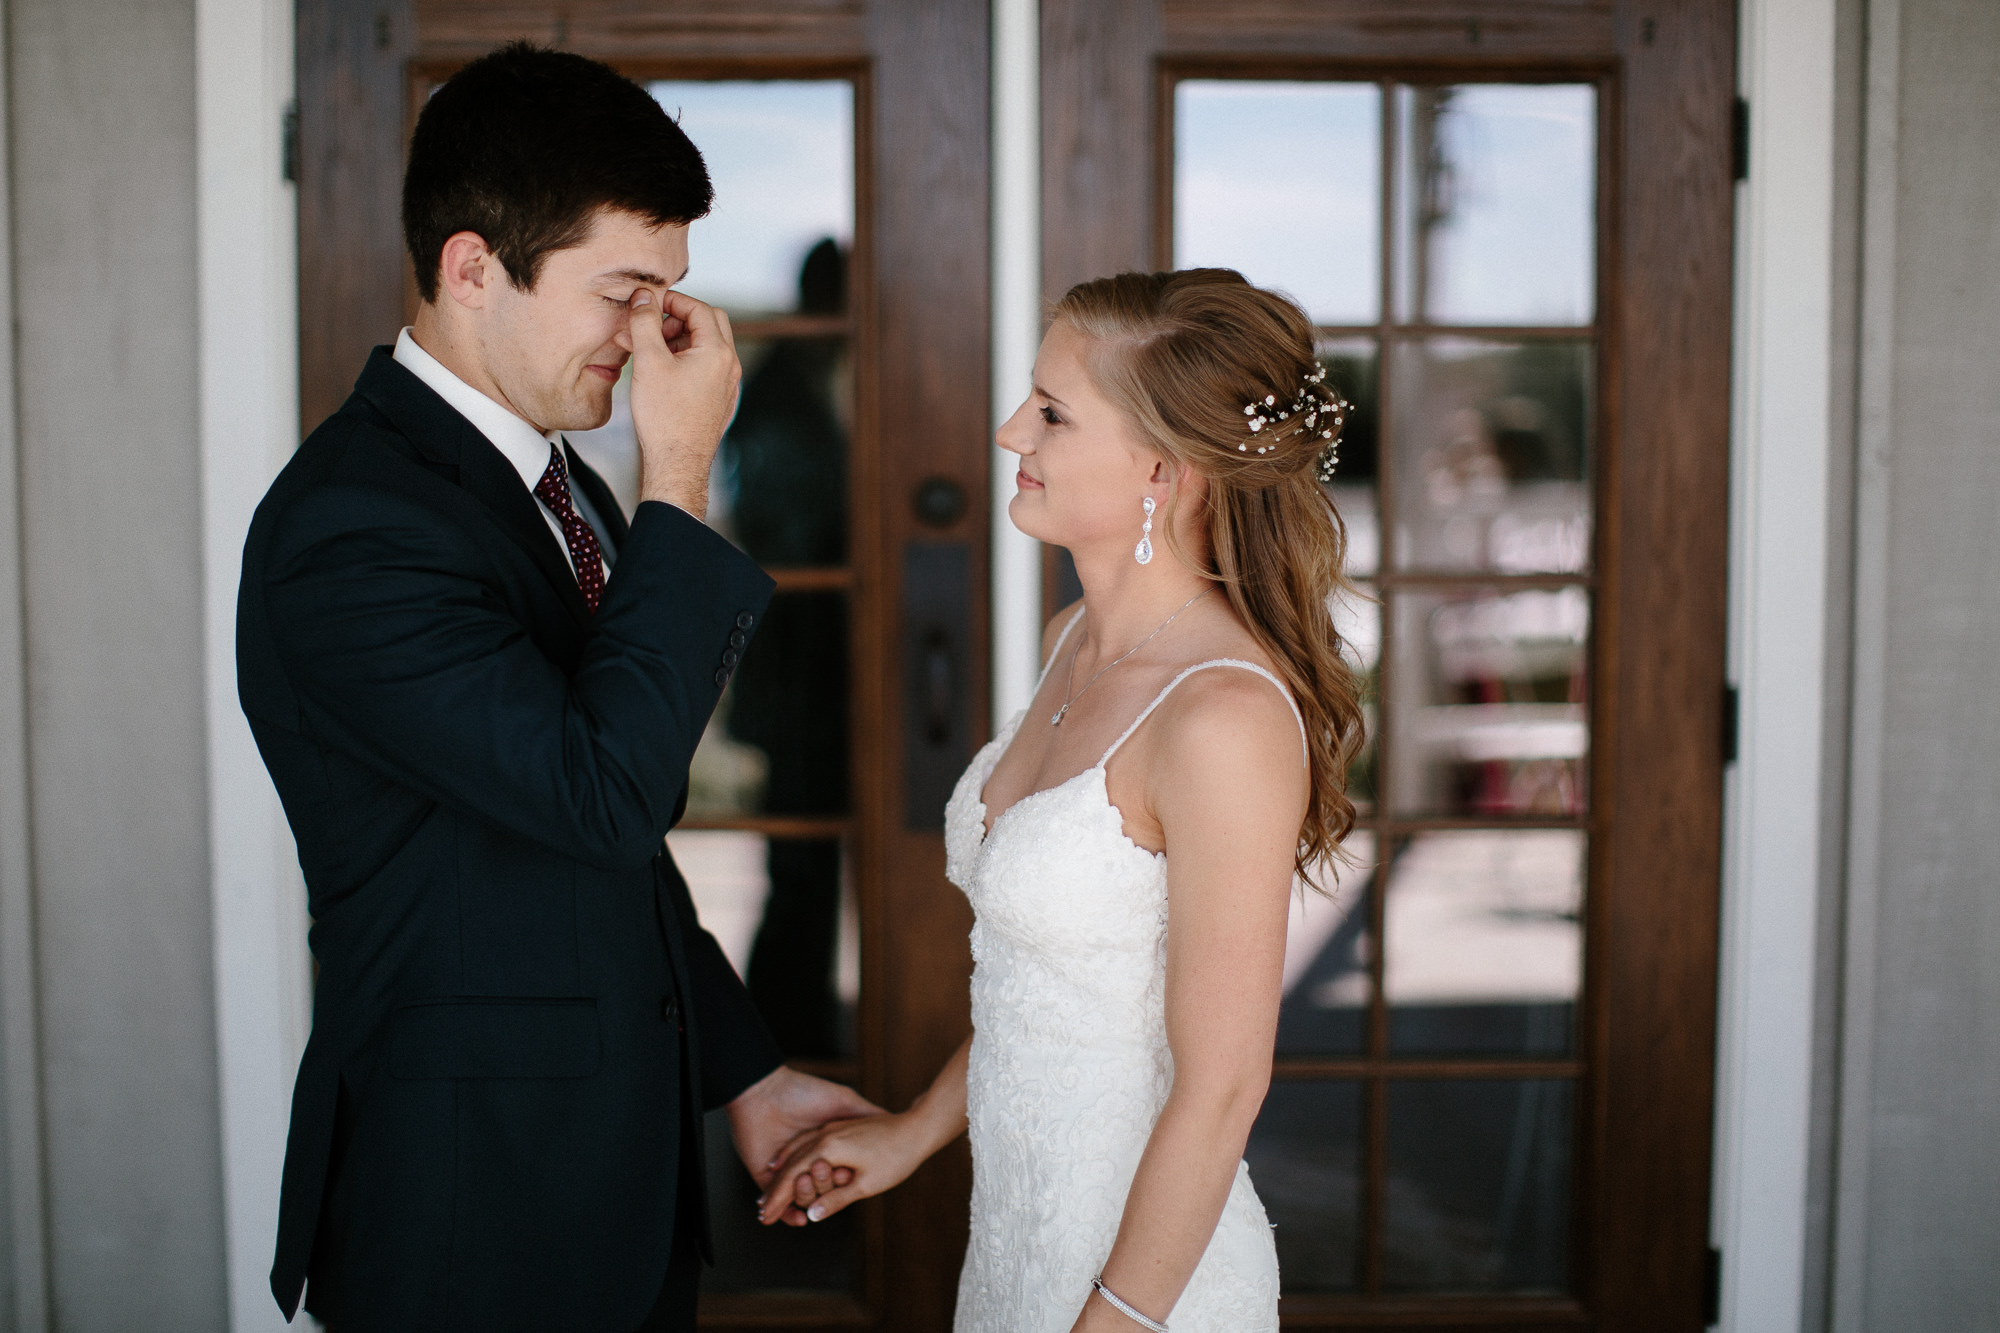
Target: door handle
{"type": "Point", "coordinates": [936, 659]}
{"type": "Point", "coordinates": [939, 694]}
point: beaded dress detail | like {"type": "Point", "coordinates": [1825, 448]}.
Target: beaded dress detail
{"type": "Point", "coordinates": [1069, 1065]}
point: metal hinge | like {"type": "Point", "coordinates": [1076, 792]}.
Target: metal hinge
{"type": "Point", "coordinates": [1731, 722]}
{"type": "Point", "coordinates": [290, 151]}
{"type": "Point", "coordinates": [1711, 1288]}
{"type": "Point", "coordinates": [1739, 141]}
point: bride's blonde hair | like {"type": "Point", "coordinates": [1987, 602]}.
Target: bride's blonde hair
{"type": "Point", "coordinates": [1183, 355]}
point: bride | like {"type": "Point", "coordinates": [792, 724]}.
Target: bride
{"type": "Point", "coordinates": [1130, 842]}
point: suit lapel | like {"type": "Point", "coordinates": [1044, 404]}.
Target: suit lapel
{"type": "Point", "coordinates": [439, 432]}
{"type": "Point", "coordinates": [595, 490]}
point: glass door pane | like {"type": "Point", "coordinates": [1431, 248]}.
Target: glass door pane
{"type": "Point", "coordinates": [1478, 1185]}
{"type": "Point", "coordinates": [1277, 180]}
{"type": "Point", "coordinates": [1492, 455]}
{"type": "Point", "coordinates": [1496, 204]}
{"type": "Point", "coordinates": [1490, 702]}
{"type": "Point", "coordinates": [1483, 929]}
{"type": "Point", "coordinates": [781, 155]}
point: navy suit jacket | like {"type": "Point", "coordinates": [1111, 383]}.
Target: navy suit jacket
{"type": "Point", "coordinates": [517, 1016]}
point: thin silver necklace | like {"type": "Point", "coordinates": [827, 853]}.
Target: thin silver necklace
{"type": "Point", "coordinates": [1070, 680]}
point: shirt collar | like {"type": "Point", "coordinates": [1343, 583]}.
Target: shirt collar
{"type": "Point", "coordinates": [526, 448]}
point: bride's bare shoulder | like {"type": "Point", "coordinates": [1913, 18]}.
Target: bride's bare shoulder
{"type": "Point", "coordinates": [1230, 738]}
{"type": "Point", "coordinates": [1219, 704]}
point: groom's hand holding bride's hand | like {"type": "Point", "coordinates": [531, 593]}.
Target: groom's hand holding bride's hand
{"type": "Point", "coordinates": [782, 1107]}
{"type": "Point", "coordinates": [820, 1172]}
{"type": "Point", "coordinates": [823, 1171]}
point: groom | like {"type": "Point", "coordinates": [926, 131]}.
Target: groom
{"type": "Point", "coordinates": [477, 689]}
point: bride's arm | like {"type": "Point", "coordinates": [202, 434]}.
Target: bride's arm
{"type": "Point", "coordinates": [832, 1166]}
{"type": "Point", "coordinates": [1228, 786]}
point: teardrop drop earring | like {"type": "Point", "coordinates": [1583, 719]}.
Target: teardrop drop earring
{"type": "Point", "coordinates": [1143, 552]}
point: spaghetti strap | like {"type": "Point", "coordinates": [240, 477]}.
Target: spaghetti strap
{"type": "Point", "coordinates": [1056, 651]}
{"type": "Point", "coordinates": [1160, 698]}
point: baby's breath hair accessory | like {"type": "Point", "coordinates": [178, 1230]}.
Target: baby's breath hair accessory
{"type": "Point", "coordinates": [1329, 454]}
{"type": "Point", "coordinates": [1322, 413]}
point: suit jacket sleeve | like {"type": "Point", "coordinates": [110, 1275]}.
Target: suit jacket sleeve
{"type": "Point", "coordinates": [401, 652]}
{"type": "Point", "coordinates": [734, 1046]}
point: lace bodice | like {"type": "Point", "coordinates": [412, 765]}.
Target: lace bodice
{"type": "Point", "coordinates": [1070, 1065]}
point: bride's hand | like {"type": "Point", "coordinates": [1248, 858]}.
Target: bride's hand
{"type": "Point", "coordinates": [838, 1163]}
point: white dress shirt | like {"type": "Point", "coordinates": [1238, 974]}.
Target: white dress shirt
{"type": "Point", "coordinates": [524, 447]}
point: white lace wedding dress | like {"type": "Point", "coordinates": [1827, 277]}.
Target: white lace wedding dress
{"type": "Point", "coordinates": [1070, 1065]}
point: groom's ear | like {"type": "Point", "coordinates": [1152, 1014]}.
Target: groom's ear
{"type": "Point", "coordinates": [467, 268]}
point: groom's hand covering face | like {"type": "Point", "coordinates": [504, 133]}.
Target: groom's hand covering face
{"type": "Point", "coordinates": [685, 375]}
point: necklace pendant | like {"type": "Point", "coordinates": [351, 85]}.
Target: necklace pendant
{"type": "Point", "coordinates": [1056, 721]}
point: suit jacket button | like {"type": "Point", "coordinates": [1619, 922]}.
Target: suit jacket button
{"type": "Point", "coordinates": [744, 620]}
{"type": "Point", "coordinates": [721, 676]}
{"type": "Point", "coordinates": [737, 638]}
{"type": "Point", "coordinates": [670, 1009]}
{"type": "Point", "coordinates": [730, 657]}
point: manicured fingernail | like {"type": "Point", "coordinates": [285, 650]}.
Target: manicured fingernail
{"type": "Point", "coordinates": [641, 299]}
{"type": "Point", "coordinates": [816, 1213]}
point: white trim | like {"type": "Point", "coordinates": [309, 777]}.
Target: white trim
{"type": "Point", "coordinates": [249, 425]}
{"type": "Point", "coordinates": [20, 1025]}
{"type": "Point", "coordinates": [1017, 333]}
{"type": "Point", "coordinates": [1881, 123]}
{"type": "Point", "coordinates": [1780, 470]}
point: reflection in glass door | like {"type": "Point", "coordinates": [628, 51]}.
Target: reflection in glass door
{"type": "Point", "coordinates": [767, 842]}
{"type": "Point", "coordinates": [1420, 1138]}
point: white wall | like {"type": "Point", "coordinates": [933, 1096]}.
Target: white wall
{"type": "Point", "coordinates": [249, 427]}
{"type": "Point", "coordinates": [1917, 1229]}
{"type": "Point", "coordinates": [110, 903]}
{"type": "Point", "coordinates": [23, 1260]}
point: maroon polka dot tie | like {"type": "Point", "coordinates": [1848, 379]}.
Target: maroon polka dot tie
{"type": "Point", "coordinates": [553, 491]}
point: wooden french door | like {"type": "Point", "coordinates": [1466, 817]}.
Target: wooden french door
{"type": "Point", "coordinates": [849, 146]}
{"type": "Point", "coordinates": [1512, 224]}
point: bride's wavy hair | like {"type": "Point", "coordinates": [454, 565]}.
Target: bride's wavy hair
{"type": "Point", "coordinates": [1182, 355]}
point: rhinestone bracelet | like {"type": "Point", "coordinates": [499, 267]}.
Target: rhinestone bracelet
{"type": "Point", "coordinates": [1155, 1325]}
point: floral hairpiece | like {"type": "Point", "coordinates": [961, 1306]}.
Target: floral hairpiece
{"type": "Point", "coordinates": [1316, 405]}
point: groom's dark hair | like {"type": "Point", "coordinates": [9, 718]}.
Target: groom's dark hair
{"type": "Point", "coordinates": [525, 145]}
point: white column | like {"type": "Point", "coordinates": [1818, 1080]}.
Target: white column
{"type": "Point", "coordinates": [1781, 452]}
{"type": "Point", "coordinates": [1017, 333]}
{"type": "Point", "coordinates": [249, 426]}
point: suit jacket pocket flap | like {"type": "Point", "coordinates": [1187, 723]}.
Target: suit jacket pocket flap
{"type": "Point", "coordinates": [496, 1038]}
